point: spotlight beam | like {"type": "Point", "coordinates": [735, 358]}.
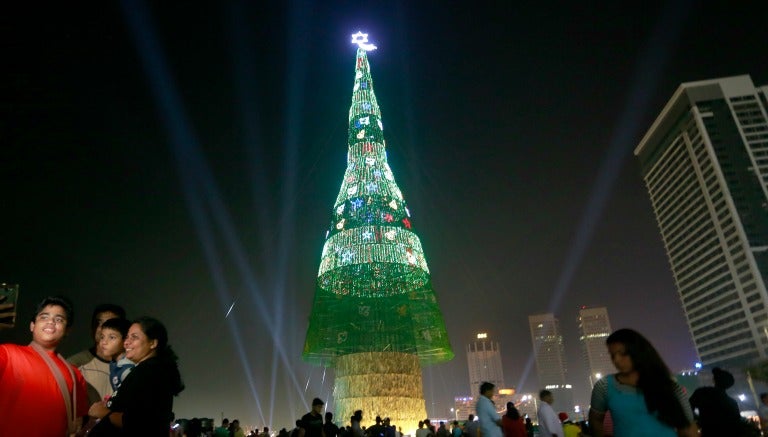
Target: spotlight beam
{"type": "Point", "coordinates": [648, 71]}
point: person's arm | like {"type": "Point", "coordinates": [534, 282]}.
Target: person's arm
{"type": "Point", "coordinates": [692, 429]}
{"type": "Point", "coordinates": [596, 423]}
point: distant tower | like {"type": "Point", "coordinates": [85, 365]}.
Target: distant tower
{"type": "Point", "coordinates": [550, 359]}
{"type": "Point", "coordinates": [594, 328]}
{"type": "Point", "coordinates": [484, 362]}
{"type": "Point", "coordinates": [705, 165]}
{"type": "Point", "coordinates": [375, 317]}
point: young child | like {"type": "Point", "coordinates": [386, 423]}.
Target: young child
{"type": "Point", "coordinates": [113, 333]}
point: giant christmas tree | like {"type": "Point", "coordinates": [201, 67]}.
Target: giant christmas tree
{"type": "Point", "coordinates": [375, 317]}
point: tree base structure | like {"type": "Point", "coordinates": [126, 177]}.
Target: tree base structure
{"type": "Point", "coordinates": [386, 384]}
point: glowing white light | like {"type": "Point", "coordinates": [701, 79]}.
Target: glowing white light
{"type": "Point", "coordinates": [742, 397]}
{"type": "Point", "coordinates": [482, 335]}
{"type": "Point", "coordinates": [230, 308]}
{"type": "Point", "coordinates": [361, 39]}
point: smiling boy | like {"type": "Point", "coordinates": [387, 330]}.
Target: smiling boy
{"type": "Point", "coordinates": [31, 400]}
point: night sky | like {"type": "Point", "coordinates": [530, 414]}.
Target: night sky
{"type": "Point", "coordinates": [177, 158]}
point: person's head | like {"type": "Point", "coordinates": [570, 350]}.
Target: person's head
{"type": "Point", "coordinates": [512, 412]}
{"type": "Point", "coordinates": [378, 420]}
{"type": "Point", "coordinates": [421, 424]}
{"type": "Point", "coordinates": [471, 418]}
{"type": "Point", "coordinates": [723, 378]}
{"type": "Point", "coordinates": [111, 341]}
{"type": "Point", "coordinates": [455, 423]}
{"type": "Point", "coordinates": [146, 337]}
{"type": "Point", "coordinates": [328, 416]}
{"type": "Point", "coordinates": [486, 389]}
{"type": "Point", "coordinates": [631, 352]}
{"type": "Point", "coordinates": [266, 430]}
{"type": "Point", "coordinates": [235, 424]}
{"type": "Point", "coordinates": [317, 405]}
{"type": "Point", "coordinates": [101, 314]}
{"type": "Point", "coordinates": [764, 398]}
{"type": "Point", "coordinates": [358, 414]}
{"type": "Point", "coordinates": [546, 396]}
{"type": "Point", "coordinates": [53, 318]}
{"type": "Point", "coordinates": [225, 423]}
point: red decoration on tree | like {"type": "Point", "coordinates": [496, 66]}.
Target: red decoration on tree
{"type": "Point", "coordinates": [407, 223]}
{"type": "Point", "coordinates": [388, 217]}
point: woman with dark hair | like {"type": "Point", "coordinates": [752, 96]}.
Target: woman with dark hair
{"type": "Point", "coordinates": [512, 423]}
{"type": "Point", "coordinates": [642, 397]}
{"type": "Point", "coordinates": [143, 405]}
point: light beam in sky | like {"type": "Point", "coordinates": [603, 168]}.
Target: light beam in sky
{"type": "Point", "coordinates": [230, 308]}
{"type": "Point", "coordinates": [648, 70]}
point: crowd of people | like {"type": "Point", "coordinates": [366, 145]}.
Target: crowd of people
{"type": "Point", "coordinates": [124, 385]}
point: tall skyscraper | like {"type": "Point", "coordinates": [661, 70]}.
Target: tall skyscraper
{"type": "Point", "coordinates": [484, 363]}
{"type": "Point", "coordinates": [705, 164]}
{"type": "Point", "coordinates": [549, 352]}
{"type": "Point", "coordinates": [594, 328]}
{"type": "Point", "coordinates": [375, 317]}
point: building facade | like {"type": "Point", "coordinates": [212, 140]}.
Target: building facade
{"type": "Point", "coordinates": [705, 165]}
{"type": "Point", "coordinates": [594, 329]}
{"type": "Point", "coordinates": [484, 363]}
{"type": "Point", "coordinates": [549, 353]}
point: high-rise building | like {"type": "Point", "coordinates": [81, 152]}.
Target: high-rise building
{"type": "Point", "coordinates": [705, 164]}
{"type": "Point", "coordinates": [484, 363]}
{"type": "Point", "coordinates": [594, 328]}
{"type": "Point", "coordinates": [549, 352]}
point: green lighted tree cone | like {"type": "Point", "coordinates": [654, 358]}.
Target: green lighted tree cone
{"type": "Point", "coordinates": [373, 290]}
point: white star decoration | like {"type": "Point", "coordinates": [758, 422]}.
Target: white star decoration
{"type": "Point", "coordinates": [361, 39]}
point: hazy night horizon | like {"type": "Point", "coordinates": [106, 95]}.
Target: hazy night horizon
{"type": "Point", "coordinates": [183, 162]}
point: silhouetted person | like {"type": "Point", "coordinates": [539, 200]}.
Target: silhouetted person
{"type": "Point", "coordinates": [330, 428]}
{"type": "Point", "coordinates": [312, 422]}
{"type": "Point", "coordinates": [718, 413]}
